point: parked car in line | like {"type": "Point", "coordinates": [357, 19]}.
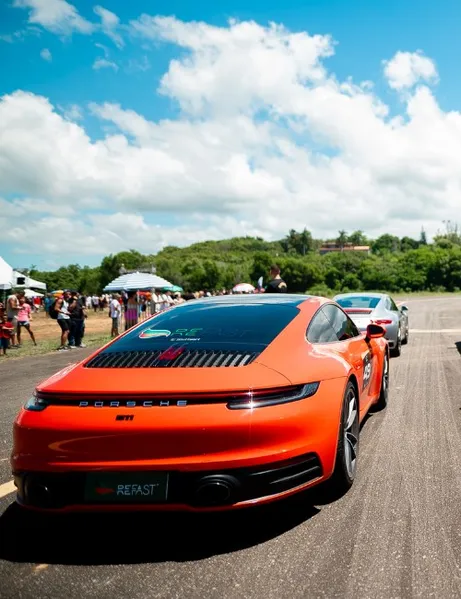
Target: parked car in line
{"type": "Point", "coordinates": [219, 403]}
{"type": "Point", "coordinates": [378, 308]}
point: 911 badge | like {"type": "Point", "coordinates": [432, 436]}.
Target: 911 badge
{"type": "Point", "coordinates": [367, 370]}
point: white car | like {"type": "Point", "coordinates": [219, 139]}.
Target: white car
{"type": "Point", "coordinates": [378, 308]}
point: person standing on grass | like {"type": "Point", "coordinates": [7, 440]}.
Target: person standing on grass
{"type": "Point", "coordinates": [115, 310]}
{"type": "Point", "coordinates": [62, 308]}
{"type": "Point", "coordinates": [131, 310]}
{"type": "Point", "coordinates": [47, 303]}
{"type": "Point", "coordinates": [77, 313]}
{"type": "Point", "coordinates": [6, 333]}
{"type": "Point", "coordinates": [24, 319]}
{"type": "Point", "coordinates": [12, 309]}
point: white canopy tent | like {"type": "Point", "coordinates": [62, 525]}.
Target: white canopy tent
{"type": "Point", "coordinates": [6, 275]}
{"type": "Point", "coordinates": [137, 281]}
{"type": "Point", "coordinates": [21, 281]}
{"type": "Point", "coordinates": [30, 293]}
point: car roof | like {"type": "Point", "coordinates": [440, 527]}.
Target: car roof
{"type": "Point", "coordinates": [291, 299]}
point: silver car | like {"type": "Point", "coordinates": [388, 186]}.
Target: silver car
{"type": "Point", "coordinates": [378, 308]}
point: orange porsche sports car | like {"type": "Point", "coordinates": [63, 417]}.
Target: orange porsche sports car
{"type": "Point", "coordinates": [214, 404]}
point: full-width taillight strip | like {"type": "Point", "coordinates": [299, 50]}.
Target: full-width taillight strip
{"type": "Point", "coordinates": [242, 399]}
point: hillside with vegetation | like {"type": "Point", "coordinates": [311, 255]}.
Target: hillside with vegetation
{"type": "Point", "coordinates": [393, 264]}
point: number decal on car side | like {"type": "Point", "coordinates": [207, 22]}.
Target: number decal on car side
{"type": "Point", "coordinates": [367, 370]}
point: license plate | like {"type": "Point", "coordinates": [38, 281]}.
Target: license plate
{"type": "Point", "coordinates": [126, 487]}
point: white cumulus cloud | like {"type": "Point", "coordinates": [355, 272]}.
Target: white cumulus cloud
{"type": "Point", "coordinates": [46, 55]}
{"type": "Point", "coordinates": [57, 16]}
{"type": "Point", "coordinates": [406, 69]}
{"type": "Point", "coordinates": [72, 112]}
{"type": "Point", "coordinates": [110, 24]}
{"type": "Point", "coordinates": [102, 63]}
{"type": "Point", "coordinates": [267, 140]}
{"type": "Point", "coordinates": [271, 64]}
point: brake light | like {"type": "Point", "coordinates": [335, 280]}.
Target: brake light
{"type": "Point", "coordinates": [263, 400]}
{"type": "Point", "coordinates": [382, 321]}
{"type": "Point", "coordinates": [36, 403]}
{"type": "Point", "coordinates": [171, 353]}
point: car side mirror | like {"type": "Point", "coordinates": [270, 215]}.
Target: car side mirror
{"type": "Point", "coordinates": [375, 331]}
{"type": "Point", "coordinates": [404, 308]}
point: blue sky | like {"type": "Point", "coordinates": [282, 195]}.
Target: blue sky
{"type": "Point", "coordinates": [38, 58]}
{"type": "Point", "coordinates": [366, 33]}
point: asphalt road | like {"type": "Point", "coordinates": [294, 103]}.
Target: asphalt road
{"type": "Point", "coordinates": [396, 534]}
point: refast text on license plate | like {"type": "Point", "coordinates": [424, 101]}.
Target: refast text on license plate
{"type": "Point", "coordinates": [126, 487]}
{"type": "Point", "coordinates": [134, 490]}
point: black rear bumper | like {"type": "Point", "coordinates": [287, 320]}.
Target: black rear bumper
{"type": "Point", "coordinates": [196, 489]}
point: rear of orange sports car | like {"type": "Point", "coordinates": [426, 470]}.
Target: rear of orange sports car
{"type": "Point", "coordinates": [210, 405]}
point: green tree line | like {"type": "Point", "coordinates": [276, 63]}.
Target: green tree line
{"type": "Point", "coordinates": [393, 264]}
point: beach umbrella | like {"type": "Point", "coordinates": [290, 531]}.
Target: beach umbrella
{"type": "Point", "coordinates": [137, 281]}
{"type": "Point", "coordinates": [243, 288]}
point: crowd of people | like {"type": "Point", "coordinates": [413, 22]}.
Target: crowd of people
{"type": "Point", "coordinates": [70, 309]}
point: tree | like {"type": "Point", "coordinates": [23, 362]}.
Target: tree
{"type": "Point", "coordinates": [423, 238]}
{"type": "Point", "coordinates": [300, 274]}
{"type": "Point", "coordinates": [261, 264]}
{"type": "Point", "coordinates": [386, 243]}
{"type": "Point", "coordinates": [211, 275]}
{"type": "Point", "coordinates": [395, 264]}
{"type": "Point", "coordinates": [407, 243]}
{"type": "Point", "coordinates": [111, 265]}
{"type": "Point", "coordinates": [358, 238]}
{"type": "Point", "coordinates": [450, 237]}
{"type": "Point", "coordinates": [342, 239]}
{"type": "Point", "coordinates": [298, 243]}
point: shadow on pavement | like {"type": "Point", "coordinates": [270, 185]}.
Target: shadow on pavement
{"type": "Point", "coordinates": [101, 539]}
{"type": "Point", "coordinates": [458, 346]}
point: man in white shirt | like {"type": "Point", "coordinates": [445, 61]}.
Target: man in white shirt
{"type": "Point", "coordinates": [154, 303]}
{"type": "Point", "coordinates": [164, 302]}
{"type": "Point", "coordinates": [62, 308]}
{"type": "Point", "coordinates": [115, 309]}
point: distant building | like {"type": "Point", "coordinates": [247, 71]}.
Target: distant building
{"type": "Point", "coordinates": [327, 248]}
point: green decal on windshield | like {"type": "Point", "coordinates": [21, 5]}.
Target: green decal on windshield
{"type": "Point", "coordinates": [186, 332]}
{"type": "Point", "coordinates": [153, 333]}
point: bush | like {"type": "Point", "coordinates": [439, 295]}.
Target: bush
{"type": "Point", "coordinates": [321, 291]}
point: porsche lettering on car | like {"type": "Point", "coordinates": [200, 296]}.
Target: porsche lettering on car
{"type": "Point", "coordinates": [219, 403]}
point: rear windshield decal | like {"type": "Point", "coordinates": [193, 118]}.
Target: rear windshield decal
{"type": "Point", "coordinates": [153, 333]}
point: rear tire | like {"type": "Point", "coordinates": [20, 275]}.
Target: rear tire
{"type": "Point", "coordinates": [395, 353]}
{"type": "Point", "coordinates": [407, 337]}
{"type": "Point", "coordinates": [348, 444]}
{"type": "Point", "coordinates": [384, 392]}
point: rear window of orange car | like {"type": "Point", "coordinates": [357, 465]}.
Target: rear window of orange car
{"type": "Point", "coordinates": [250, 327]}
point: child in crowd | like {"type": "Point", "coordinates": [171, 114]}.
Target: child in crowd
{"type": "Point", "coordinates": [24, 318]}
{"type": "Point", "coordinates": [6, 332]}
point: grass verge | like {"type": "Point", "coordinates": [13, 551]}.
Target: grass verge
{"type": "Point", "coordinates": [423, 294]}
{"type": "Point", "coordinates": [48, 346]}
